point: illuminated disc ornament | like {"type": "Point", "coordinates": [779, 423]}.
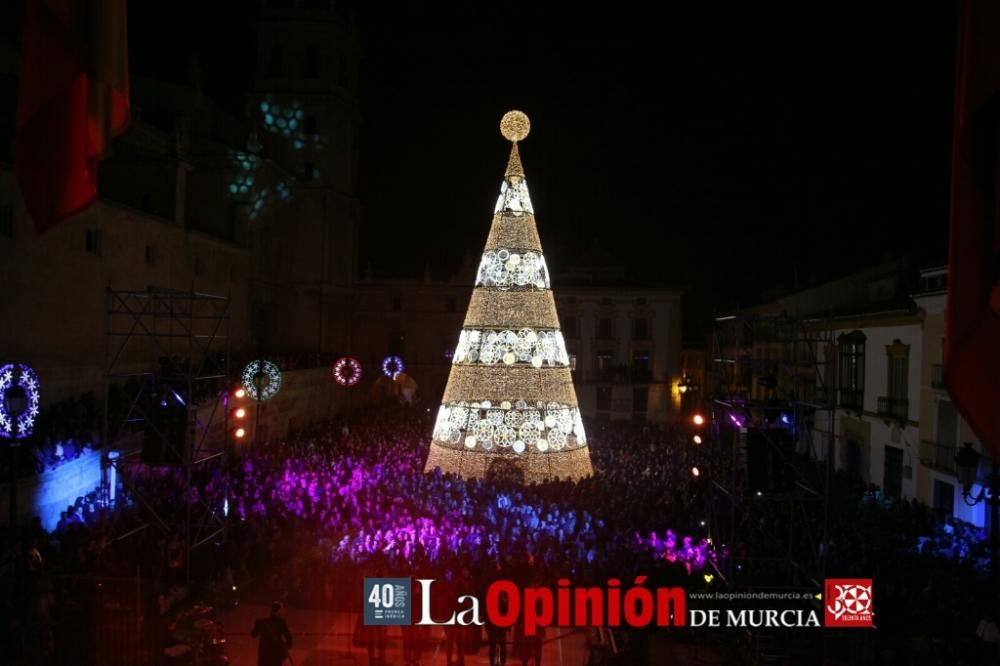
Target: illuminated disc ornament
{"type": "Point", "coordinates": [347, 371]}
{"type": "Point", "coordinates": [261, 379]}
{"type": "Point", "coordinates": [515, 125]}
{"type": "Point", "coordinates": [392, 366]}
{"type": "Point", "coordinates": [14, 376]}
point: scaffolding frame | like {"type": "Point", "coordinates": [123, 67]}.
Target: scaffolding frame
{"type": "Point", "coordinates": [169, 323]}
{"type": "Point", "coordinates": [765, 362]}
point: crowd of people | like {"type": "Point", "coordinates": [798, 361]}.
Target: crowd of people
{"type": "Point", "coordinates": [62, 433]}
{"type": "Point", "coordinates": [352, 496]}
{"type": "Point", "coordinates": [310, 515]}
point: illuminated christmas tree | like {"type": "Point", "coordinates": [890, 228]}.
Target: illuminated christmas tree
{"type": "Point", "coordinates": [510, 408]}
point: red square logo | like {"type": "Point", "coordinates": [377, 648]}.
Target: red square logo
{"type": "Point", "coordinates": [848, 602]}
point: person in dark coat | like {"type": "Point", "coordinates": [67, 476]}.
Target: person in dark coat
{"type": "Point", "coordinates": [275, 639]}
{"type": "Point", "coordinates": [495, 635]}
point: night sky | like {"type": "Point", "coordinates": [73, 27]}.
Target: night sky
{"type": "Point", "coordinates": [716, 151]}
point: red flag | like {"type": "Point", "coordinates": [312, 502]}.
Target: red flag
{"type": "Point", "coordinates": [972, 340]}
{"type": "Point", "coordinates": [72, 99]}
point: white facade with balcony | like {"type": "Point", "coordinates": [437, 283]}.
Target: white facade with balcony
{"type": "Point", "coordinates": [895, 425]}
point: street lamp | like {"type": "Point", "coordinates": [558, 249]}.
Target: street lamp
{"type": "Point", "coordinates": [686, 387]}
{"type": "Point", "coordinates": [967, 471]}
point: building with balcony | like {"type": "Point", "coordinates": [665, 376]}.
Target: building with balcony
{"type": "Point", "coordinates": [942, 429]}
{"type": "Point", "coordinates": [627, 343]}
{"type": "Point", "coordinates": [878, 352]}
{"type": "Point", "coordinates": [874, 357]}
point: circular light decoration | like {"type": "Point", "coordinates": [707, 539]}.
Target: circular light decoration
{"type": "Point", "coordinates": [264, 373]}
{"type": "Point", "coordinates": [392, 366]}
{"type": "Point", "coordinates": [347, 371]}
{"type": "Point", "coordinates": [17, 426]}
{"type": "Point", "coordinates": [515, 125]}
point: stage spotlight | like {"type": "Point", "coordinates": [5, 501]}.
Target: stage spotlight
{"type": "Point", "coordinates": [697, 439]}
{"type": "Point", "coordinates": [785, 419]}
{"type": "Point", "coordinates": [698, 419]}
{"type": "Point", "coordinates": [240, 393]}
{"type": "Point", "coordinates": [695, 472]}
{"type": "Point", "coordinates": [240, 433]}
{"type": "Point", "coordinates": [240, 413]}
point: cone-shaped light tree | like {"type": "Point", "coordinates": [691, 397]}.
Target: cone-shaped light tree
{"type": "Point", "coordinates": [510, 408]}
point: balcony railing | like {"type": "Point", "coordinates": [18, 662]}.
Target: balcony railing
{"type": "Point", "coordinates": [938, 456]}
{"type": "Point", "coordinates": [851, 399]}
{"type": "Point", "coordinates": [937, 376]}
{"type": "Point", "coordinates": [893, 408]}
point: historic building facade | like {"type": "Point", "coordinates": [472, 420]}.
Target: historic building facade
{"type": "Point", "coordinates": [260, 207]}
{"type": "Point", "coordinates": [859, 360]}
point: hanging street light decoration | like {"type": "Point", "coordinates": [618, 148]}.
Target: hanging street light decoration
{"type": "Point", "coordinates": [347, 371]}
{"type": "Point", "coordinates": [392, 366]}
{"type": "Point", "coordinates": [19, 400]}
{"type": "Point", "coordinates": [261, 379]}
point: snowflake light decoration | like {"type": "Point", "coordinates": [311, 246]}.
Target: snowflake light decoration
{"type": "Point", "coordinates": [244, 169]}
{"type": "Point", "coordinates": [259, 201]}
{"type": "Point", "coordinates": [347, 371]}
{"type": "Point", "coordinates": [506, 269]}
{"type": "Point", "coordinates": [284, 192]}
{"type": "Point", "coordinates": [508, 347]}
{"type": "Point", "coordinates": [259, 371]}
{"type": "Point", "coordinates": [392, 366]}
{"type": "Point", "coordinates": [282, 119]}
{"type": "Point", "coordinates": [520, 426]}
{"type": "Point", "coordinates": [18, 426]}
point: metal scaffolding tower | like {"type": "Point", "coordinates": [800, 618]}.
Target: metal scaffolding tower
{"type": "Point", "coordinates": [164, 342]}
{"type": "Point", "coordinates": [771, 378]}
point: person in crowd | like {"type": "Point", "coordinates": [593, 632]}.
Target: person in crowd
{"type": "Point", "coordinates": [988, 636]}
{"type": "Point", "coordinates": [274, 638]}
{"type": "Point", "coordinates": [496, 636]}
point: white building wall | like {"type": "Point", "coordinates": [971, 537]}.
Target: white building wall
{"type": "Point", "coordinates": [932, 326]}
{"type": "Point", "coordinates": [877, 431]}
